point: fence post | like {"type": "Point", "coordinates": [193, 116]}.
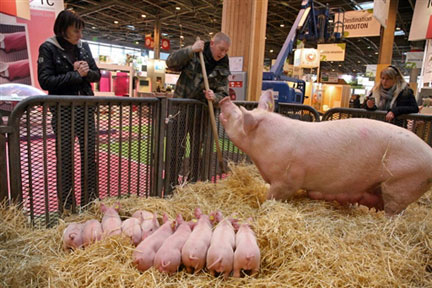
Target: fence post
{"type": "Point", "coordinates": [159, 146]}
{"type": "Point", "coordinates": [3, 164]}
{"type": "Point", "coordinates": [14, 161]}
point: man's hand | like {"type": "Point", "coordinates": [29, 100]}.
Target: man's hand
{"type": "Point", "coordinates": [209, 94]}
{"type": "Point", "coordinates": [390, 116]}
{"type": "Point", "coordinates": [198, 46]}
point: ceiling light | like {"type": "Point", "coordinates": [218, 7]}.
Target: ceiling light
{"type": "Point", "coordinates": [376, 53]}
{"type": "Point", "coordinates": [143, 15]}
{"type": "Point", "coordinates": [369, 47]}
{"type": "Point", "coordinates": [271, 51]}
{"type": "Point", "coordinates": [354, 70]}
{"type": "Point", "coordinates": [398, 28]}
{"type": "Point", "coordinates": [181, 37]}
{"type": "Point", "coordinates": [115, 22]}
{"type": "Point", "coordinates": [210, 33]}
{"type": "Point", "coordinates": [340, 65]}
{"type": "Point", "coordinates": [282, 25]}
{"type": "Point", "coordinates": [358, 61]}
{"type": "Point", "coordinates": [178, 8]}
{"type": "Point", "coordinates": [136, 42]}
{"type": "Point", "coordinates": [93, 27]}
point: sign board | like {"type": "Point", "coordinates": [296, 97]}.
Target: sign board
{"type": "Point", "coordinates": [236, 64]}
{"type": "Point", "coordinates": [306, 58]}
{"type": "Point", "coordinates": [329, 77]}
{"type": "Point", "coordinates": [427, 67]}
{"type": "Point", "coordinates": [421, 20]}
{"type": "Point", "coordinates": [332, 52]}
{"type": "Point", "coordinates": [414, 59]}
{"type": "Point", "coordinates": [381, 11]}
{"type": "Point", "coordinates": [359, 23]}
{"type": "Point", "coordinates": [371, 70]}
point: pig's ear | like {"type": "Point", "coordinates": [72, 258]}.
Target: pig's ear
{"type": "Point", "coordinates": [266, 101]}
{"type": "Point", "coordinates": [249, 121]}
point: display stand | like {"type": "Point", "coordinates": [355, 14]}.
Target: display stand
{"type": "Point", "coordinates": [113, 68]}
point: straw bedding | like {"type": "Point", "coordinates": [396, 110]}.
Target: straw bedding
{"type": "Point", "coordinates": [304, 243]}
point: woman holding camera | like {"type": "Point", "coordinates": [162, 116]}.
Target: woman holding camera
{"type": "Point", "coordinates": [392, 94]}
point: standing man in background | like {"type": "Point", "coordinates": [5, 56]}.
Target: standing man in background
{"type": "Point", "coordinates": [191, 85]}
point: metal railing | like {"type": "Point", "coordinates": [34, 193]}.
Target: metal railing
{"type": "Point", "coordinates": [420, 124]}
{"type": "Point", "coordinates": [62, 152]}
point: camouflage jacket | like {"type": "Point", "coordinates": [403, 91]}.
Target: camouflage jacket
{"type": "Point", "coordinates": [190, 83]}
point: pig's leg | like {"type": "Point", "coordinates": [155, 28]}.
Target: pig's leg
{"type": "Point", "coordinates": [290, 182]}
{"type": "Point", "coordinates": [397, 194]}
{"type": "Point", "coordinates": [280, 191]}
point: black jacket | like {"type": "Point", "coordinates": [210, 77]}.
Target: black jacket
{"type": "Point", "coordinates": [405, 103]}
{"type": "Point", "coordinates": [56, 73]}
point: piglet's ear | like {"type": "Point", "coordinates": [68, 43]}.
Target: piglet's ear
{"type": "Point", "coordinates": [249, 121]}
{"type": "Point", "coordinates": [266, 101]}
{"type": "Point", "coordinates": [103, 208]}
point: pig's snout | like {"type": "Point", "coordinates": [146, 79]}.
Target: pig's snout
{"type": "Point", "coordinates": [224, 101]}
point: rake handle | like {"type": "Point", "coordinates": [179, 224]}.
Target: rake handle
{"type": "Point", "coordinates": [212, 116]}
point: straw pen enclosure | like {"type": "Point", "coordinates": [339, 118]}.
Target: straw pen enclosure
{"type": "Point", "coordinates": [68, 155]}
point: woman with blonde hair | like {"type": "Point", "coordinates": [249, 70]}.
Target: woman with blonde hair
{"type": "Point", "coordinates": [392, 94]}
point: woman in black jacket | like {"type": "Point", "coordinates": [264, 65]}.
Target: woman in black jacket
{"type": "Point", "coordinates": [66, 67]}
{"type": "Point", "coordinates": [392, 94]}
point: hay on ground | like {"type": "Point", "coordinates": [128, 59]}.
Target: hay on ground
{"type": "Point", "coordinates": [304, 243]}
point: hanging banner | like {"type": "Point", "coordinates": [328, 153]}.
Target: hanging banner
{"type": "Point", "coordinates": [332, 52]}
{"type": "Point", "coordinates": [21, 36]}
{"type": "Point", "coordinates": [381, 10]}
{"type": "Point", "coordinates": [359, 23]}
{"type": "Point", "coordinates": [149, 42]}
{"type": "Point", "coordinates": [414, 59]}
{"type": "Point", "coordinates": [421, 20]}
{"type": "Point", "coordinates": [165, 44]}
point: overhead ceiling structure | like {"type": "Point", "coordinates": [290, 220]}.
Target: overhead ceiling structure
{"type": "Point", "coordinates": [127, 23]}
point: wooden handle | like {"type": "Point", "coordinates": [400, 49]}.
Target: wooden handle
{"type": "Point", "coordinates": [212, 116]}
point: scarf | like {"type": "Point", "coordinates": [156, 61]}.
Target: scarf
{"type": "Point", "coordinates": [71, 50]}
{"type": "Point", "coordinates": [210, 62]}
{"type": "Point", "coordinates": [386, 96]}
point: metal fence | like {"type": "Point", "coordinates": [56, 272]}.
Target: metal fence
{"type": "Point", "coordinates": [62, 152]}
{"type": "Point", "coordinates": [420, 124]}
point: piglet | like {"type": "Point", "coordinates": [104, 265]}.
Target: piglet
{"type": "Point", "coordinates": [247, 255]}
{"type": "Point", "coordinates": [111, 222]}
{"type": "Point", "coordinates": [131, 228]}
{"type": "Point", "coordinates": [195, 249]}
{"type": "Point", "coordinates": [144, 254]}
{"type": "Point", "coordinates": [168, 257]}
{"type": "Point", "coordinates": [142, 215]}
{"type": "Point", "coordinates": [220, 255]}
{"type": "Point", "coordinates": [92, 232]}
{"type": "Point", "coordinates": [72, 236]}
{"type": "Point", "coordinates": [149, 222]}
